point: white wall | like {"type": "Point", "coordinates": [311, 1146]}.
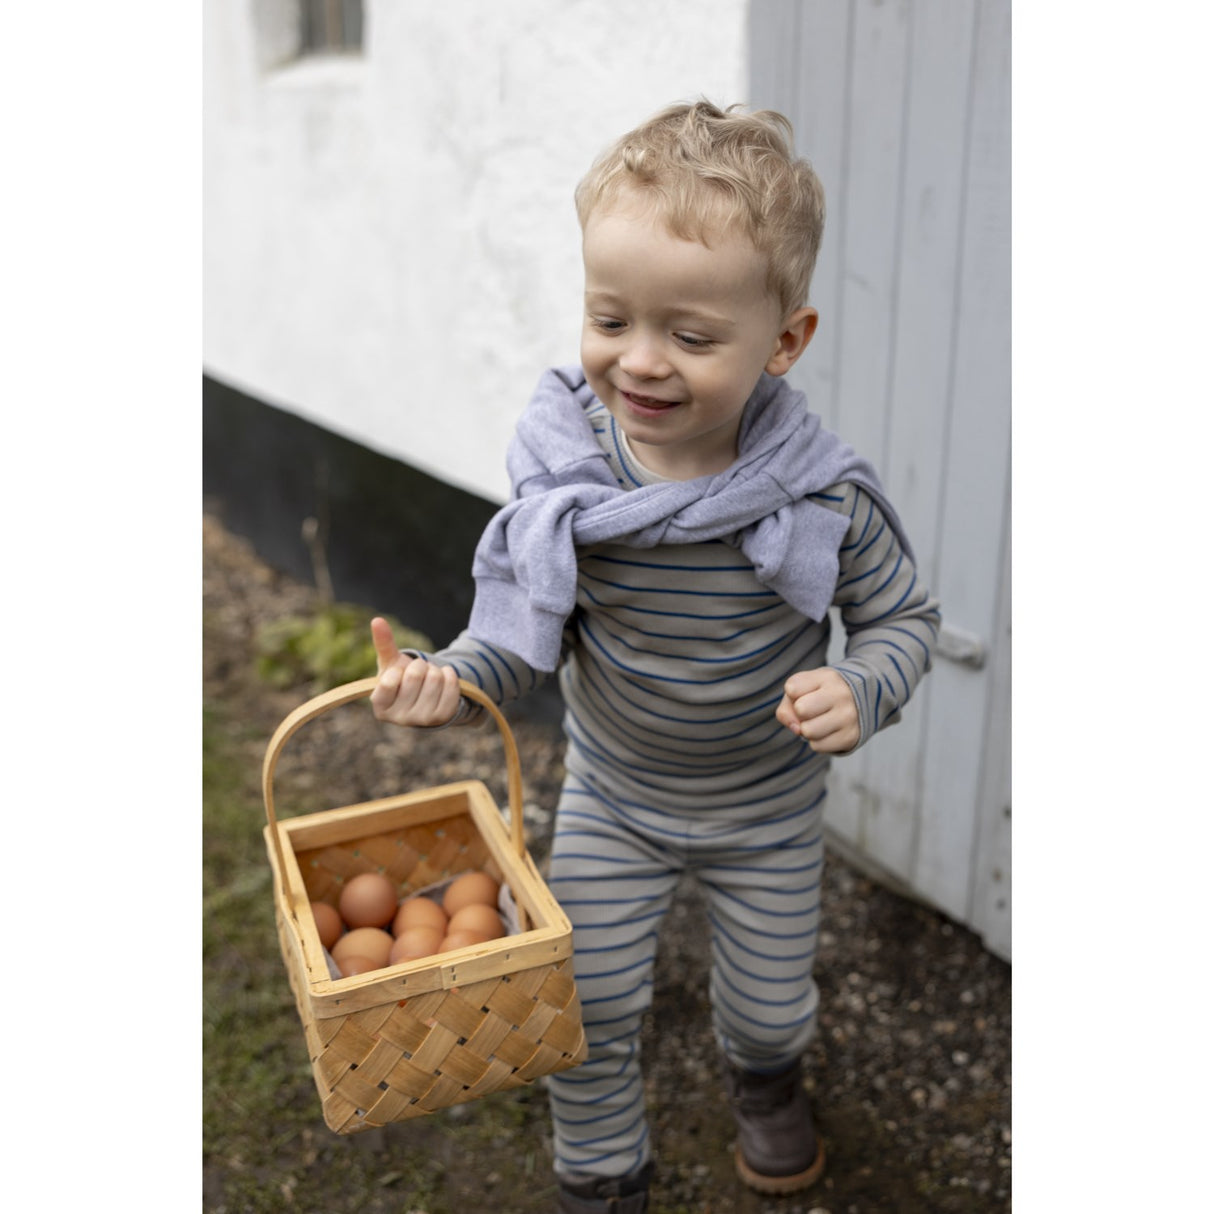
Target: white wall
{"type": "Point", "coordinates": [390, 246]}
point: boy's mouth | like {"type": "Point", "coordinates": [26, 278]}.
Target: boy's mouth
{"type": "Point", "coordinates": [647, 404]}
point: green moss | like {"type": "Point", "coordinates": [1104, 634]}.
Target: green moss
{"type": "Point", "coordinates": [329, 647]}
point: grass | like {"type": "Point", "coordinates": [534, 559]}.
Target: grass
{"type": "Point", "coordinates": [247, 1009]}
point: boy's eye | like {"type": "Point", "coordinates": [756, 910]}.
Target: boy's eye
{"type": "Point", "coordinates": [695, 343]}
{"type": "Point", "coordinates": [606, 325]}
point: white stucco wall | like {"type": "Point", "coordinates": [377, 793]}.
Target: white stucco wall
{"type": "Point", "coordinates": [390, 246]}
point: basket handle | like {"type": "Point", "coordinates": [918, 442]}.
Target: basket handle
{"type": "Point", "coordinates": [349, 692]}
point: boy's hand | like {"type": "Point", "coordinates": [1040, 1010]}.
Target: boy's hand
{"type": "Point", "coordinates": [411, 691]}
{"type": "Point", "coordinates": [818, 706]}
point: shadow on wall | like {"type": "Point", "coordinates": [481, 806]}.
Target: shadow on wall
{"type": "Point", "coordinates": [395, 539]}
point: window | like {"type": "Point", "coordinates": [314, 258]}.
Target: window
{"type": "Point", "coordinates": [331, 26]}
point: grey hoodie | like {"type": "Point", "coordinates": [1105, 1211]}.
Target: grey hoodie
{"type": "Point", "coordinates": [564, 495]}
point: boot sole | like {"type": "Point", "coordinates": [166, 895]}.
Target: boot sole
{"type": "Point", "coordinates": [780, 1184]}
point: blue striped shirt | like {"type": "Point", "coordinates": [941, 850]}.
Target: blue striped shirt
{"type": "Point", "coordinates": [675, 657]}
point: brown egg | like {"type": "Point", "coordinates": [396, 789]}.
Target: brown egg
{"type": "Point", "coordinates": [460, 939]}
{"type": "Point", "coordinates": [368, 900]}
{"type": "Point", "coordinates": [328, 923]}
{"type": "Point", "coordinates": [471, 887]}
{"type": "Point", "coordinates": [371, 942]}
{"type": "Point", "coordinates": [419, 911]}
{"type": "Point", "coordinates": [415, 942]}
{"type": "Point", "coordinates": [479, 918]}
{"type": "Point", "coordinates": [357, 965]}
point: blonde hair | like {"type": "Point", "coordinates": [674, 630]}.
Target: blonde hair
{"type": "Point", "coordinates": [702, 167]}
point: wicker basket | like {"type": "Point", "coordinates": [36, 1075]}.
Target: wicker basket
{"type": "Point", "coordinates": [413, 1038]}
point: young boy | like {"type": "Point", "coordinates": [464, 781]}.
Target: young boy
{"type": "Point", "coordinates": [679, 526]}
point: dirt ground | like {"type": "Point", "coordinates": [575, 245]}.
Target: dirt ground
{"type": "Point", "coordinates": [911, 1071]}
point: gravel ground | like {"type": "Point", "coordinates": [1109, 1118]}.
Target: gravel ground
{"type": "Point", "coordinates": [911, 1071]}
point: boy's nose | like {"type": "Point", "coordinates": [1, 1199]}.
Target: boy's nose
{"type": "Point", "coordinates": [643, 359]}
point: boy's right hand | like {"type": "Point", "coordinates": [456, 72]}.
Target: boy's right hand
{"type": "Point", "coordinates": [411, 691]}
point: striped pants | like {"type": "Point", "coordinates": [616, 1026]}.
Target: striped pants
{"type": "Point", "coordinates": [616, 862]}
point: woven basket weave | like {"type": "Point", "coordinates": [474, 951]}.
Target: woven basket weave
{"type": "Point", "coordinates": [410, 1039]}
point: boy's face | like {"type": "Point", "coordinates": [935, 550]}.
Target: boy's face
{"type": "Point", "coordinates": [676, 334]}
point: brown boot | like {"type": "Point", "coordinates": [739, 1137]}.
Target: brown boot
{"type": "Point", "coordinates": [778, 1149]}
{"type": "Point", "coordinates": [623, 1195]}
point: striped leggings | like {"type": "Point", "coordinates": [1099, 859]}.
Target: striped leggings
{"type": "Point", "coordinates": [614, 868]}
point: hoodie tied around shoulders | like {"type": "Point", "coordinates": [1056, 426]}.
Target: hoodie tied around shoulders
{"type": "Point", "coordinates": [564, 496]}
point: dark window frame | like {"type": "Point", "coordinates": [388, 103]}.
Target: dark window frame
{"type": "Point", "coordinates": [331, 27]}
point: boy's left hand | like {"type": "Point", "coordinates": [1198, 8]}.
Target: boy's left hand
{"type": "Point", "coordinates": [818, 706]}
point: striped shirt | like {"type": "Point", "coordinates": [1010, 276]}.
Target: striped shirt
{"type": "Point", "coordinates": [675, 657]}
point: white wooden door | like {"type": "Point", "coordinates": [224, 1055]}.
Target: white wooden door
{"type": "Point", "coordinates": [904, 108]}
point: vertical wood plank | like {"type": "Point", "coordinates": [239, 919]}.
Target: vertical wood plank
{"type": "Point", "coordinates": [773, 63]}
{"type": "Point", "coordinates": [821, 121]}
{"type": "Point", "coordinates": [869, 221]}
{"type": "Point", "coordinates": [928, 262]}
{"type": "Point", "coordinates": [990, 912]}
{"type": "Point", "coordinates": [976, 480]}
{"type": "Point", "coordinates": [864, 244]}
{"type": "Point", "coordinates": [889, 778]}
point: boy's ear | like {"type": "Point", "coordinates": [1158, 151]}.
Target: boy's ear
{"type": "Point", "coordinates": [790, 345]}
